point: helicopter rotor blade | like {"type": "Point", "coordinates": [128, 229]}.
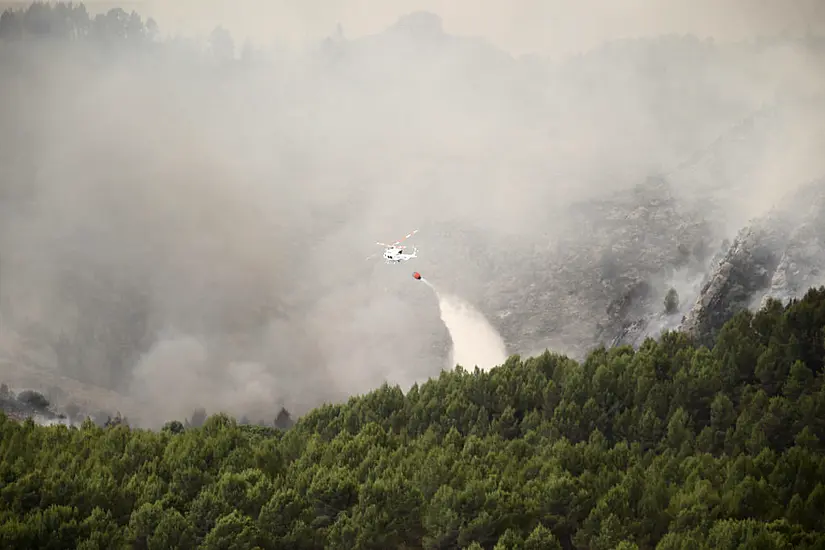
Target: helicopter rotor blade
{"type": "Point", "coordinates": [405, 237]}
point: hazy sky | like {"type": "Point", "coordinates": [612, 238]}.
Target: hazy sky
{"type": "Point", "coordinates": [521, 26]}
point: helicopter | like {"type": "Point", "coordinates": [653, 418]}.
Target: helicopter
{"type": "Point", "coordinates": [394, 253]}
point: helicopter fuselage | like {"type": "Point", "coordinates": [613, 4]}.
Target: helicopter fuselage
{"type": "Point", "coordinates": [395, 255]}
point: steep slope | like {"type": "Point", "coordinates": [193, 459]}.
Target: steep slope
{"type": "Point", "coordinates": [744, 271]}
{"type": "Point", "coordinates": [778, 256]}
{"type": "Point", "coordinates": [615, 269]}
{"type": "Point", "coordinates": [675, 232]}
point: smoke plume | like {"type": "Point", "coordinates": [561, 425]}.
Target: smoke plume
{"type": "Point", "coordinates": [184, 214]}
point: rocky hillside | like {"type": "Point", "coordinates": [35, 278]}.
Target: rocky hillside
{"type": "Point", "coordinates": [631, 249]}
{"type": "Point", "coordinates": [606, 282]}
{"type": "Point", "coordinates": [779, 256]}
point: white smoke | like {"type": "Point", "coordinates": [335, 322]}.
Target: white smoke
{"type": "Point", "coordinates": [44, 421]}
{"type": "Point", "coordinates": [181, 371]}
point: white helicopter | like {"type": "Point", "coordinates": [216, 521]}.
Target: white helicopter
{"type": "Point", "coordinates": [394, 253]}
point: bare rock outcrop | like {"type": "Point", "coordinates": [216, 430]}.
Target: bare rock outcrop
{"type": "Point", "coordinates": [802, 264]}
{"type": "Point", "coordinates": [744, 271]}
{"type": "Point", "coordinates": [779, 256]}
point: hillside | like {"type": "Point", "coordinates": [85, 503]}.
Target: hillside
{"type": "Point", "coordinates": [668, 447]}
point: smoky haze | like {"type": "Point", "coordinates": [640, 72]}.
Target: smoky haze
{"type": "Point", "coordinates": [186, 222]}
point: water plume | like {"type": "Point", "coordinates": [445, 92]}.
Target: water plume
{"type": "Point", "coordinates": [475, 342]}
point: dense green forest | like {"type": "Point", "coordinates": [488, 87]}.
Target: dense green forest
{"type": "Point", "coordinates": [670, 446]}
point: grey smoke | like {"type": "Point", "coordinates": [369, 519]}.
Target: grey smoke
{"type": "Point", "coordinates": [192, 234]}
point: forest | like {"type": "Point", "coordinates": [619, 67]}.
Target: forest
{"type": "Point", "coordinates": [671, 446]}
